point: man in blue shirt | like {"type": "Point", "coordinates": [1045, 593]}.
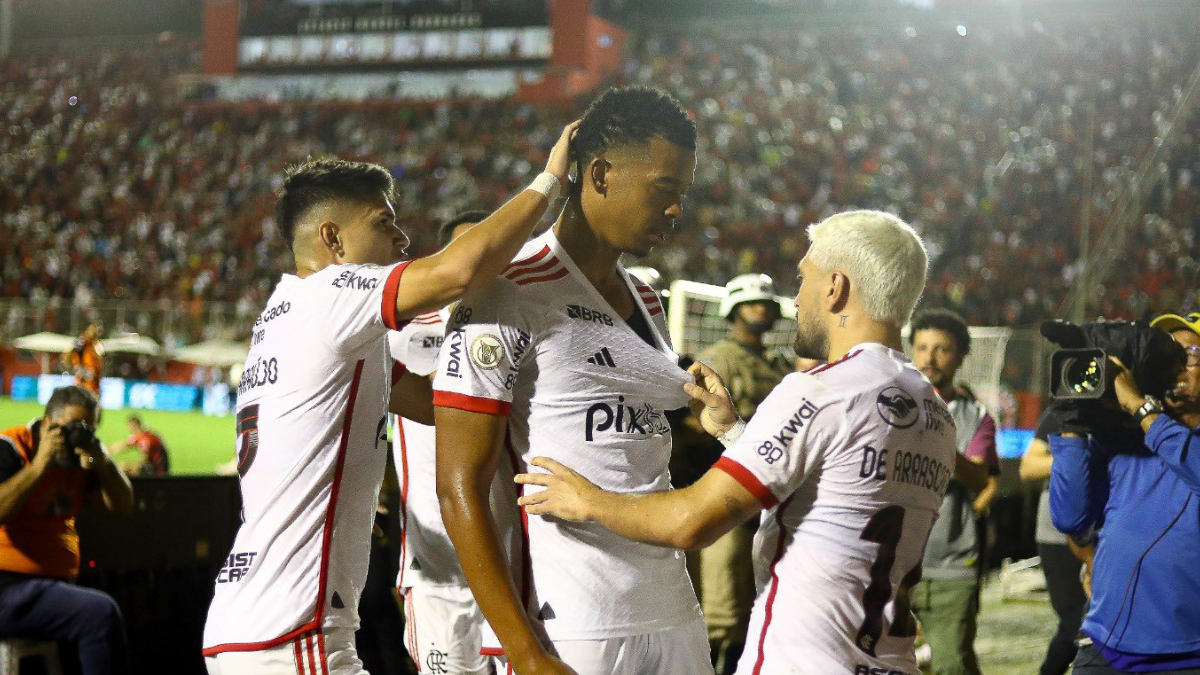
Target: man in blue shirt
{"type": "Point", "coordinates": [1144, 497]}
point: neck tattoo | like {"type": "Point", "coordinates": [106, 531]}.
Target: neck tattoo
{"type": "Point", "coordinates": [842, 324]}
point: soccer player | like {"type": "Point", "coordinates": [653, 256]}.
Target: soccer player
{"type": "Point", "coordinates": [154, 459]}
{"type": "Point", "coordinates": [312, 406]}
{"type": "Point", "coordinates": [443, 624]}
{"type": "Point", "coordinates": [565, 355]}
{"type": "Point", "coordinates": [850, 459]}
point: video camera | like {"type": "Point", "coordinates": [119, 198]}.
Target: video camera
{"type": "Point", "coordinates": [76, 435]}
{"type": "Point", "coordinates": [1081, 370]}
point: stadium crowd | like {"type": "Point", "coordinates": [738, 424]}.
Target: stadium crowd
{"type": "Point", "coordinates": [114, 187]}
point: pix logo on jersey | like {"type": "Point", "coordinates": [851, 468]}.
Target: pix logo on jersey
{"type": "Point", "coordinates": [623, 418]}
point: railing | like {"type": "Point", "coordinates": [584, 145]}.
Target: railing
{"type": "Point", "coordinates": [172, 324]}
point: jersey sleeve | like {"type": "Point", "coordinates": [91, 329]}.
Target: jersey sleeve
{"type": "Point", "coordinates": [487, 340]}
{"type": "Point", "coordinates": [360, 302]}
{"type": "Point", "coordinates": [783, 443]}
{"type": "Point", "coordinates": [416, 345]}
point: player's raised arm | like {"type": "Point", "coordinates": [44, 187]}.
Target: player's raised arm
{"type": "Point", "coordinates": [486, 249]}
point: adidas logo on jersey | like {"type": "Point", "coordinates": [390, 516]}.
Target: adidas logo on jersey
{"type": "Point", "coordinates": [585, 314]}
{"type": "Point", "coordinates": [546, 613]}
{"type": "Point", "coordinates": [602, 358]}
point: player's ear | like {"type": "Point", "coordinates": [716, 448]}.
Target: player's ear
{"type": "Point", "coordinates": [839, 292]}
{"type": "Point", "coordinates": [330, 235]}
{"type": "Point", "coordinates": [597, 172]}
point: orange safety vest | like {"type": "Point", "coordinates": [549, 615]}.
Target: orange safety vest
{"type": "Point", "coordinates": [40, 538]}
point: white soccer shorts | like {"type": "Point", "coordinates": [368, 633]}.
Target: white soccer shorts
{"type": "Point", "coordinates": [675, 651]}
{"type": "Point", "coordinates": [442, 626]}
{"type": "Point", "coordinates": [331, 653]}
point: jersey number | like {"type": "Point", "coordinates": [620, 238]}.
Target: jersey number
{"type": "Point", "coordinates": [247, 437]}
{"type": "Point", "coordinates": [885, 528]}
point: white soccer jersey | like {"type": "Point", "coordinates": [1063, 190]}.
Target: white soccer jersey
{"type": "Point", "coordinates": [312, 406]}
{"type": "Point", "coordinates": [851, 459]}
{"type": "Point", "coordinates": [426, 554]}
{"type": "Point", "coordinates": [543, 347]}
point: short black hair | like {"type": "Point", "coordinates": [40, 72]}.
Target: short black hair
{"type": "Point", "coordinates": [318, 181]}
{"type": "Point", "coordinates": [136, 419]}
{"type": "Point", "coordinates": [632, 116]}
{"type": "Point", "coordinates": [65, 397]}
{"type": "Point", "coordinates": [945, 321]}
{"type": "Point", "coordinates": [446, 230]}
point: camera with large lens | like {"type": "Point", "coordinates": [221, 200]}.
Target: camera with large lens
{"type": "Point", "coordinates": [1081, 369]}
{"type": "Point", "coordinates": [76, 435]}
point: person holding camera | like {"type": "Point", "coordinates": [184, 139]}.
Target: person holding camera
{"type": "Point", "coordinates": [1143, 495]}
{"type": "Point", "coordinates": [47, 469]}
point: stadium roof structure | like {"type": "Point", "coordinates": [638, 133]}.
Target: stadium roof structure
{"type": "Point", "coordinates": [214, 353]}
{"type": "Point", "coordinates": [54, 343]}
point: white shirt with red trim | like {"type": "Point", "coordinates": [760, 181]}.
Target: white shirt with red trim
{"type": "Point", "coordinates": [311, 446]}
{"type": "Point", "coordinates": [851, 460]}
{"type": "Point", "coordinates": [543, 347]}
{"type": "Point", "coordinates": [426, 554]}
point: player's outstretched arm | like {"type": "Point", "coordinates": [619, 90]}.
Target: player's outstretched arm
{"type": "Point", "coordinates": [693, 517]}
{"type": "Point", "coordinates": [469, 448]}
{"type": "Point", "coordinates": [484, 251]}
{"type": "Point", "coordinates": [412, 397]}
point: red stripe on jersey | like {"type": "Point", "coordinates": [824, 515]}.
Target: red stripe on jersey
{"type": "Point", "coordinates": [324, 656]}
{"type": "Point", "coordinates": [259, 646]}
{"type": "Point", "coordinates": [546, 266]}
{"type": "Point", "coordinates": [530, 260]}
{"type": "Point", "coordinates": [655, 312]}
{"type": "Point", "coordinates": [398, 371]}
{"type": "Point", "coordinates": [327, 534]}
{"type": "Point", "coordinates": [526, 555]}
{"type": "Point", "coordinates": [491, 651]}
{"type": "Point", "coordinates": [403, 497]}
{"type": "Point", "coordinates": [747, 480]}
{"type": "Point", "coordinates": [299, 657]}
{"type": "Point", "coordinates": [391, 288]}
{"type": "Point", "coordinates": [312, 662]}
{"type": "Point", "coordinates": [490, 406]}
{"type": "Point", "coordinates": [762, 638]}
{"type": "Point", "coordinates": [827, 366]}
{"type": "Point", "coordinates": [550, 277]}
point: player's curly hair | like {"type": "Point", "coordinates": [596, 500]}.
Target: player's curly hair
{"type": "Point", "coordinates": [946, 321]}
{"type": "Point", "coordinates": [318, 181]}
{"type": "Point", "coordinates": [632, 116]}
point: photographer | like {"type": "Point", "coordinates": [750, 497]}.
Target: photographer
{"type": "Point", "coordinates": [47, 468]}
{"type": "Point", "coordinates": [1144, 496]}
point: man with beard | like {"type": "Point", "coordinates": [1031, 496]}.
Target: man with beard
{"type": "Point", "coordinates": [726, 580]}
{"type": "Point", "coordinates": [947, 600]}
{"type": "Point", "coordinates": [850, 459]}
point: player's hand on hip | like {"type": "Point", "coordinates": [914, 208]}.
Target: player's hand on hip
{"type": "Point", "coordinates": [561, 155]}
{"type": "Point", "coordinates": [567, 494]}
{"type": "Point", "coordinates": [711, 402]}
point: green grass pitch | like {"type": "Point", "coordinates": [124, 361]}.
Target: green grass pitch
{"type": "Point", "coordinates": [197, 443]}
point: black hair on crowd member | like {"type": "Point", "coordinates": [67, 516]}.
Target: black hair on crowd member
{"type": "Point", "coordinates": [446, 231]}
{"type": "Point", "coordinates": [316, 182]}
{"type": "Point", "coordinates": [946, 321]}
{"type": "Point", "coordinates": [65, 397]}
{"type": "Point", "coordinates": [632, 116]}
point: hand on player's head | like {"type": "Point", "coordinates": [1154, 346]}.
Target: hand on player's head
{"type": "Point", "coordinates": [711, 402]}
{"type": "Point", "coordinates": [562, 155]}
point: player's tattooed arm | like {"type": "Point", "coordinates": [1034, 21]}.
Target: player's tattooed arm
{"type": "Point", "coordinates": [484, 251]}
{"type": "Point", "coordinates": [693, 517]}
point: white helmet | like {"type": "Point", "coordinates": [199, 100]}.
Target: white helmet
{"type": "Point", "coordinates": [747, 288]}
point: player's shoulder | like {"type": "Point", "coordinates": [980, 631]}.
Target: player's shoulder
{"type": "Point", "coordinates": [534, 269]}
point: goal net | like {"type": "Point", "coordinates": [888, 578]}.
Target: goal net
{"type": "Point", "coordinates": [695, 323]}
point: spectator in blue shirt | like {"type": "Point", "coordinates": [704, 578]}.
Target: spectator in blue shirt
{"type": "Point", "coordinates": [1142, 495]}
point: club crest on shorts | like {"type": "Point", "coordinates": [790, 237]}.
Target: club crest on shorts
{"type": "Point", "coordinates": [897, 407]}
{"type": "Point", "coordinates": [487, 352]}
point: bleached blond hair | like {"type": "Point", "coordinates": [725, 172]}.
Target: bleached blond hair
{"type": "Point", "coordinates": [882, 255]}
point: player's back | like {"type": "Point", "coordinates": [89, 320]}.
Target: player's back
{"type": "Point", "coordinates": [311, 451]}
{"type": "Point", "coordinates": [862, 451]}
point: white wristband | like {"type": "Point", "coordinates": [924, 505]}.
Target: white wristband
{"type": "Point", "coordinates": [735, 432]}
{"type": "Point", "coordinates": [547, 184]}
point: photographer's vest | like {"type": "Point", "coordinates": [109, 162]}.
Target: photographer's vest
{"type": "Point", "coordinates": [40, 538]}
{"type": "Point", "coordinates": [956, 540]}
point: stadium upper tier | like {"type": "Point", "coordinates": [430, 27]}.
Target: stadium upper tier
{"type": "Point", "coordinates": [111, 186]}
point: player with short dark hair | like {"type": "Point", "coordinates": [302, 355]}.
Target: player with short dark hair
{"type": "Point", "coordinates": [312, 404]}
{"type": "Point", "coordinates": [565, 354]}
{"type": "Point", "coordinates": [154, 459]}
